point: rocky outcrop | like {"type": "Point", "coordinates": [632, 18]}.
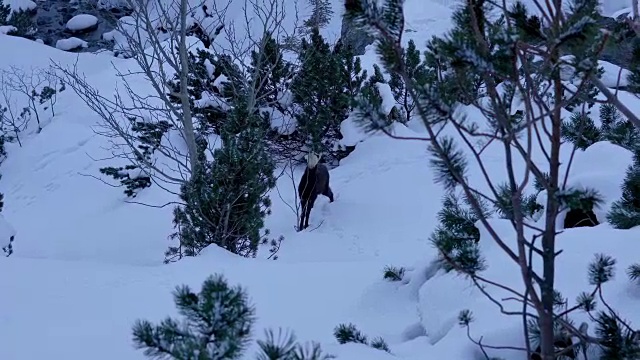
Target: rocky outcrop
{"type": "Point", "coordinates": [354, 36]}
{"type": "Point", "coordinates": [619, 48]}
{"type": "Point", "coordinates": [51, 18]}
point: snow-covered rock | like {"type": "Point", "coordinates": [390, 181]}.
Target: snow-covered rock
{"type": "Point", "coordinates": [6, 29]}
{"type": "Point", "coordinates": [81, 23]}
{"type": "Point", "coordinates": [24, 5]}
{"type": "Point", "coordinates": [71, 43]}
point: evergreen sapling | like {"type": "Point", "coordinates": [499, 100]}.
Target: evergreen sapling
{"type": "Point", "coordinates": [271, 76]}
{"type": "Point", "coordinates": [225, 204]}
{"type": "Point", "coordinates": [321, 14]}
{"type": "Point", "coordinates": [625, 212]}
{"type": "Point", "coordinates": [284, 346]}
{"type": "Point", "coordinates": [349, 333]}
{"type": "Point", "coordinates": [322, 94]}
{"type": "Point", "coordinates": [393, 273]}
{"type": "Point", "coordinates": [456, 237]}
{"type": "Point", "coordinates": [217, 324]}
{"type": "Point", "coordinates": [416, 69]}
{"type": "Point", "coordinates": [581, 130]}
{"type": "Point", "coordinates": [212, 82]}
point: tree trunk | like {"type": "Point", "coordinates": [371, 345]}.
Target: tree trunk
{"type": "Point", "coordinates": [187, 119]}
{"type": "Point", "coordinates": [546, 314]}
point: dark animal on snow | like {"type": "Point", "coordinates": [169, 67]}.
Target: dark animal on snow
{"type": "Point", "coordinates": [580, 218]}
{"type": "Point", "coordinates": [314, 181]}
{"type": "Point", "coordinates": [564, 346]}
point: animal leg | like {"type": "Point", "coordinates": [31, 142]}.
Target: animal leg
{"type": "Point", "coordinates": [303, 214]}
{"type": "Point", "coordinates": [328, 193]}
{"type": "Point", "coordinates": [307, 212]}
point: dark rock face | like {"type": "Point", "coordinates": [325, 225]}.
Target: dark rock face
{"type": "Point", "coordinates": [619, 48]}
{"type": "Point", "coordinates": [52, 16]}
{"type": "Point", "coordinates": [354, 36]}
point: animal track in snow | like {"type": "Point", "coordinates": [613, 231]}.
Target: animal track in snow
{"type": "Point", "coordinates": [71, 149]}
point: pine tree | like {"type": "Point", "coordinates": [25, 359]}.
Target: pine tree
{"type": "Point", "coordinates": [616, 338]}
{"type": "Point", "coordinates": [456, 237]}
{"type": "Point", "coordinates": [213, 81]}
{"type": "Point", "coordinates": [581, 130]}
{"type": "Point", "coordinates": [418, 71]}
{"type": "Point", "coordinates": [582, 52]}
{"type": "Point", "coordinates": [370, 100]}
{"type": "Point", "coordinates": [271, 77]}
{"type": "Point", "coordinates": [227, 202]}
{"type": "Point", "coordinates": [320, 95]}
{"type": "Point", "coordinates": [312, 91]}
{"type": "Point", "coordinates": [353, 76]}
{"type": "Point", "coordinates": [5, 11]}
{"type": "Point", "coordinates": [625, 212]}
{"type": "Point", "coordinates": [618, 341]}
{"type": "Point", "coordinates": [321, 14]}
{"type": "Point", "coordinates": [217, 325]}
{"type": "Point", "coordinates": [270, 73]}
{"type": "Point", "coordinates": [458, 78]}
{"type": "Point", "coordinates": [618, 130]}
{"type": "Point", "coordinates": [149, 136]}
{"type": "Point", "coordinates": [504, 203]}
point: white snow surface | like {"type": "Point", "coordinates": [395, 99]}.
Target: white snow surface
{"type": "Point", "coordinates": [87, 264]}
{"type": "Point", "coordinates": [81, 22]}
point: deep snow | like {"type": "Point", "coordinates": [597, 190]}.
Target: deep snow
{"type": "Point", "coordinates": [87, 264]}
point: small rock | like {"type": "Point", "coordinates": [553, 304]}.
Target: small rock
{"type": "Point", "coordinates": [6, 29]}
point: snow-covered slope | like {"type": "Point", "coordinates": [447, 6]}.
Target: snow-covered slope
{"type": "Point", "coordinates": [87, 264]}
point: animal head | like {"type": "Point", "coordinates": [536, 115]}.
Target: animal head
{"type": "Point", "coordinates": [312, 160]}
